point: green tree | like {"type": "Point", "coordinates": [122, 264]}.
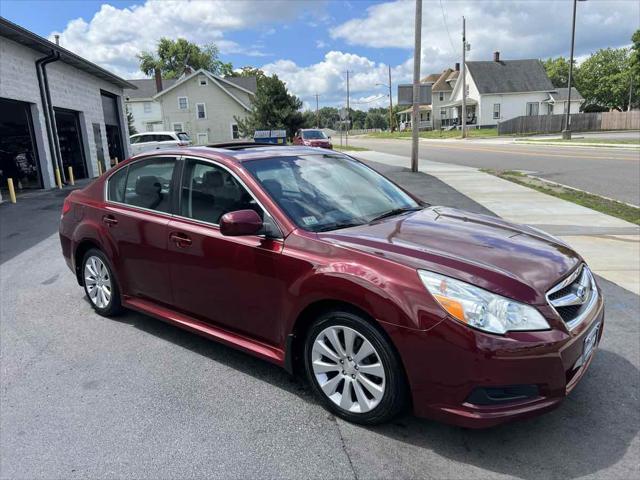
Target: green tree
{"type": "Point", "coordinates": [172, 56]}
{"type": "Point", "coordinates": [375, 120]}
{"type": "Point", "coordinates": [273, 108]}
{"type": "Point", "coordinates": [249, 72]}
{"type": "Point", "coordinates": [603, 79]}
{"type": "Point", "coordinates": [558, 71]}
{"type": "Point", "coordinates": [130, 120]}
{"type": "Point", "coordinates": [635, 67]}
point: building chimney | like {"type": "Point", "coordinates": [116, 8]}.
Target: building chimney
{"type": "Point", "coordinates": [457, 66]}
{"type": "Point", "coordinates": [57, 38]}
{"type": "Point", "coordinates": [496, 56]}
{"type": "Point", "coordinates": [158, 76]}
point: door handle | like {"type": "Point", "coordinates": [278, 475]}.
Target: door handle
{"type": "Point", "coordinates": [180, 239]}
{"type": "Point", "coordinates": [110, 220]}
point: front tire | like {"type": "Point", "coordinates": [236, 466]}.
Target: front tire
{"type": "Point", "coordinates": [353, 368]}
{"type": "Point", "coordinates": [100, 284]}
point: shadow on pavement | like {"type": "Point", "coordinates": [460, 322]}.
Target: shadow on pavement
{"type": "Point", "coordinates": [589, 432]}
{"type": "Point", "coordinates": [32, 219]}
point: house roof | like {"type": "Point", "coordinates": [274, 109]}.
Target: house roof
{"type": "Point", "coordinates": [223, 83]}
{"type": "Point", "coordinates": [433, 77]}
{"type": "Point", "coordinates": [441, 84]}
{"type": "Point", "coordinates": [421, 108]}
{"type": "Point", "coordinates": [510, 76]}
{"type": "Point", "coordinates": [29, 39]}
{"type": "Point", "coordinates": [561, 94]}
{"type": "Point", "coordinates": [453, 76]}
{"type": "Point", "coordinates": [146, 87]}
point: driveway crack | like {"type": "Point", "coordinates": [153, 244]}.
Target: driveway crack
{"type": "Point", "coordinates": [344, 448]}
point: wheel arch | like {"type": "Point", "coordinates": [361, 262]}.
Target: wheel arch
{"type": "Point", "coordinates": [83, 247]}
{"type": "Point", "coordinates": [295, 339]}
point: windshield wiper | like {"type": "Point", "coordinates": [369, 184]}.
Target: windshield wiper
{"type": "Point", "coordinates": [338, 226]}
{"type": "Point", "coordinates": [394, 212]}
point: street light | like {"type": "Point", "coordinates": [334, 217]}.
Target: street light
{"type": "Point", "coordinates": [566, 133]}
{"type": "Point", "coordinates": [390, 99]}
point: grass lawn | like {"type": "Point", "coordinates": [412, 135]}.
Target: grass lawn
{"type": "Point", "coordinates": [589, 200]}
{"type": "Point", "coordinates": [349, 148]}
{"type": "Point", "coordinates": [435, 134]}
{"type": "Point", "coordinates": [620, 141]}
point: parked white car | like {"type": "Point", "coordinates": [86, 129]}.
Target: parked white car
{"type": "Point", "coordinates": [141, 142]}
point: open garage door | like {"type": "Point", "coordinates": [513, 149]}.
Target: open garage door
{"type": "Point", "coordinates": [18, 155]}
{"type": "Point", "coordinates": [70, 140]}
{"type": "Point", "coordinates": [113, 127]}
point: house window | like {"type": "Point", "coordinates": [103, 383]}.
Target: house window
{"type": "Point", "coordinates": [177, 127]}
{"type": "Point", "coordinates": [203, 138]}
{"type": "Point", "coordinates": [147, 107]}
{"type": "Point", "coordinates": [202, 81]}
{"type": "Point", "coordinates": [202, 110]}
{"type": "Point", "coordinates": [149, 126]}
{"type": "Point", "coordinates": [183, 103]}
{"type": "Point", "coordinates": [443, 113]}
{"type": "Point", "coordinates": [441, 96]}
{"type": "Point", "coordinates": [428, 116]}
{"type": "Point", "coordinates": [235, 133]}
{"type": "Point", "coordinates": [532, 108]}
{"type": "Point", "coordinates": [496, 111]}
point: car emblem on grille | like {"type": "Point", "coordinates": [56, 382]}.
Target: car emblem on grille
{"type": "Point", "coordinates": [581, 293]}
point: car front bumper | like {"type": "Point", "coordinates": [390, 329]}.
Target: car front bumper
{"type": "Point", "coordinates": [450, 366]}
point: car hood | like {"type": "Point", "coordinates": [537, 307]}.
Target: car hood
{"type": "Point", "coordinates": [512, 260]}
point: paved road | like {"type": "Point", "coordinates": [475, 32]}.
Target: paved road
{"type": "Point", "coordinates": [87, 397]}
{"type": "Point", "coordinates": [610, 172]}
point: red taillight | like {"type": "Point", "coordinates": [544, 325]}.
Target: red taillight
{"type": "Point", "coordinates": [66, 206]}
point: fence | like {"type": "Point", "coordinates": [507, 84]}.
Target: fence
{"type": "Point", "coordinates": [360, 131]}
{"type": "Point", "coordinates": [580, 122]}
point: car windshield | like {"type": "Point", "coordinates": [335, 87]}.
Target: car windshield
{"type": "Point", "coordinates": [313, 135]}
{"type": "Point", "coordinates": [184, 137]}
{"type": "Point", "coordinates": [329, 191]}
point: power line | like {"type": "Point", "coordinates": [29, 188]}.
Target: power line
{"type": "Point", "coordinates": [444, 20]}
{"type": "Point", "coordinates": [369, 101]}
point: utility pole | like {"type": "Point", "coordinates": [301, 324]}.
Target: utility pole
{"type": "Point", "coordinates": [317, 113]}
{"type": "Point", "coordinates": [346, 138]}
{"type": "Point", "coordinates": [415, 121]}
{"type": "Point", "coordinates": [566, 133]}
{"type": "Point", "coordinates": [391, 103]}
{"type": "Point", "coordinates": [463, 110]}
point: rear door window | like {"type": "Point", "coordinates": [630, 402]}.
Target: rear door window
{"type": "Point", "coordinates": [115, 190]}
{"type": "Point", "coordinates": [148, 184]}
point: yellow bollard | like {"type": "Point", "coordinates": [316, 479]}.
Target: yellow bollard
{"type": "Point", "coordinates": [99, 169]}
{"type": "Point", "coordinates": [117, 161]}
{"type": "Point", "coordinates": [12, 191]}
{"type": "Point", "coordinates": [72, 180]}
{"type": "Point", "coordinates": [58, 178]}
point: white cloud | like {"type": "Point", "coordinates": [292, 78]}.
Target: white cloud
{"type": "Point", "coordinates": [328, 78]}
{"type": "Point", "coordinates": [114, 36]}
{"type": "Point", "coordinates": [519, 29]}
{"type": "Point", "coordinates": [321, 44]}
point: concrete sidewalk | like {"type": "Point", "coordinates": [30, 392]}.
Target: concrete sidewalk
{"type": "Point", "coordinates": [610, 246]}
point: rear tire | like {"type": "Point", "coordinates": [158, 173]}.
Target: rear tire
{"type": "Point", "coordinates": [100, 284]}
{"type": "Point", "coordinates": [354, 369]}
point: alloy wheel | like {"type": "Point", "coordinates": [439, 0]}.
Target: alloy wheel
{"type": "Point", "coordinates": [348, 369]}
{"type": "Point", "coordinates": [97, 281]}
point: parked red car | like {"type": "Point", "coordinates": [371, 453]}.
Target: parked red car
{"type": "Point", "coordinates": [317, 263]}
{"type": "Point", "coordinates": [312, 137]}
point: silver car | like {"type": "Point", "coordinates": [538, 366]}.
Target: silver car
{"type": "Point", "coordinates": [142, 142]}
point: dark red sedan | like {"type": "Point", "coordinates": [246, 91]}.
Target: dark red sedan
{"type": "Point", "coordinates": [317, 263]}
{"type": "Point", "coordinates": [312, 137]}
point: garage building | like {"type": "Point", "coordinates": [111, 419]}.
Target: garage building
{"type": "Point", "coordinates": [57, 110]}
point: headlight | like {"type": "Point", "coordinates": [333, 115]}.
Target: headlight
{"type": "Point", "coordinates": [479, 308]}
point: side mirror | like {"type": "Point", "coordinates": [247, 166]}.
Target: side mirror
{"type": "Point", "coordinates": [240, 222]}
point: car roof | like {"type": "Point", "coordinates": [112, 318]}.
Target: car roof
{"type": "Point", "coordinates": [239, 154]}
{"type": "Point", "coordinates": [162, 132]}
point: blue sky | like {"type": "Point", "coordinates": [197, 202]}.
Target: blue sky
{"type": "Point", "coordinates": [311, 43]}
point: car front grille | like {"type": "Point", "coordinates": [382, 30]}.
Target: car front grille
{"type": "Point", "coordinates": [574, 297]}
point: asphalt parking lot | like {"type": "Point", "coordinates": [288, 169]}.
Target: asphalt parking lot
{"type": "Point", "coordinates": [87, 397]}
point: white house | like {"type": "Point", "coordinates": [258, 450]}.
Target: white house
{"type": "Point", "coordinates": [146, 112]}
{"type": "Point", "coordinates": [499, 90]}
{"type": "Point", "coordinates": [206, 106]}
